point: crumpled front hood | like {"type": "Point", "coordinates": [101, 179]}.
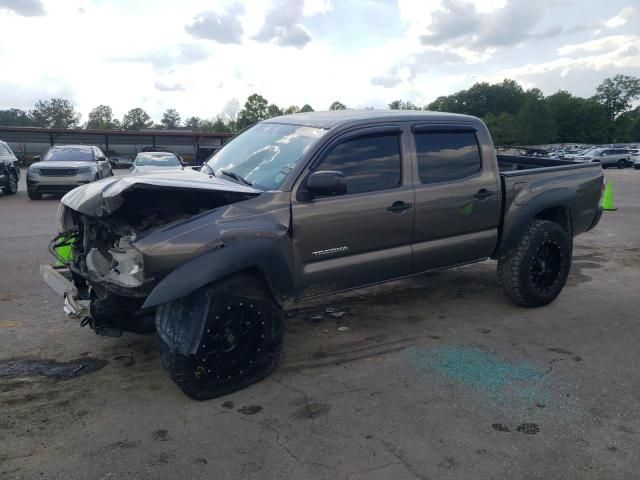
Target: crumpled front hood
{"type": "Point", "coordinates": [102, 198]}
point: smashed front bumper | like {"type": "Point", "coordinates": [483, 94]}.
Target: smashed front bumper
{"type": "Point", "coordinates": [59, 279]}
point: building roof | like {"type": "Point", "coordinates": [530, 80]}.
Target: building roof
{"type": "Point", "coordinates": [333, 118]}
{"type": "Point", "coordinates": [113, 137]}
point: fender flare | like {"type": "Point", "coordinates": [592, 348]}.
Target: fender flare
{"type": "Point", "coordinates": [563, 197]}
{"type": "Point", "coordinates": [266, 254]}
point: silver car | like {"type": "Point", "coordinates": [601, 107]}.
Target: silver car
{"type": "Point", "coordinates": [152, 162]}
{"type": "Point", "coordinates": [66, 167]}
{"type": "Point", "coordinates": [607, 157]}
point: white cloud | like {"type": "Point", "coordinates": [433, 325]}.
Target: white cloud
{"type": "Point", "coordinates": [25, 8]}
{"type": "Point", "coordinates": [220, 27]}
{"type": "Point", "coordinates": [621, 18]}
{"type": "Point", "coordinates": [147, 58]}
{"type": "Point", "coordinates": [601, 44]}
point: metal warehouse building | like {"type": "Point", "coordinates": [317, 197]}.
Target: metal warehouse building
{"type": "Point", "coordinates": [194, 147]}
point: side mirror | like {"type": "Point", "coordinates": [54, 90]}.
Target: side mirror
{"type": "Point", "coordinates": [196, 168]}
{"type": "Point", "coordinates": [327, 183]}
{"type": "Point", "coordinates": [36, 158]}
{"type": "Point", "coordinates": [101, 159]}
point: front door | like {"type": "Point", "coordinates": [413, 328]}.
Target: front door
{"type": "Point", "coordinates": [364, 236]}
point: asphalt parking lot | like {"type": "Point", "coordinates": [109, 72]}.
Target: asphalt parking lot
{"type": "Point", "coordinates": [437, 377]}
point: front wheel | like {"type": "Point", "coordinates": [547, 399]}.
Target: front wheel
{"type": "Point", "coordinates": [240, 344]}
{"type": "Point", "coordinates": [622, 163]}
{"type": "Point", "coordinates": [533, 272]}
{"type": "Point", "coordinates": [12, 186]}
{"type": "Point", "coordinates": [34, 195]}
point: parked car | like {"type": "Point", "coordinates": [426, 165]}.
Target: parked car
{"type": "Point", "coordinates": [163, 149]}
{"type": "Point", "coordinates": [119, 160]}
{"type": "Point", "coordinates": [151, 162]}
{"type": "Point", "coordinates": [302, 206]}
{"type": "Point", "coordinates": [607, 157]}
{"type": "Point", "coordinates": [65, 167]}
{"type": "Point", "coordinates": [635, 158]}
{"type": "Point", "coordinates": [9, 170]}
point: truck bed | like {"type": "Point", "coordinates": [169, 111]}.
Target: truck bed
{"type": "Point", "coordinates": [526, 180]}
{"type": "Point", "coordinates": [511, 163]}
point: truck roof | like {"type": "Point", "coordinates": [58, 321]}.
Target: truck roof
{"type": "Point", "coordinates": [332, 118]}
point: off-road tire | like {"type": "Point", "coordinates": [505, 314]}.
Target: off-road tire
{"type": "Point", "coordinates": [12, 186]}
{"type": "Point", "coordinates": [247, 294]}
{"type": "Point", "coordinates": [34, 195]}
{"type": "Point", "coordinates": [519, 266]}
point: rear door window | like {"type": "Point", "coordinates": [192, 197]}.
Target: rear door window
{"type": "Point", "coordinates": [368, 163]}
{"type": "Point", "coordinates": [447, 156]}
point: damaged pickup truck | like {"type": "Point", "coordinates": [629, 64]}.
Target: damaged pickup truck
{"type": "Point", "coordinates": [305, 205]}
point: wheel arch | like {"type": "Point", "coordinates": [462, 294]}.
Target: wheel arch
{"type": "Point", "coordinates": [558, 205]}
{"type": "Point", "coordinates": [266, 258]}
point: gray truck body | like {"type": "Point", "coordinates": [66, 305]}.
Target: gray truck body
{"type": "Point", "coordinates": [188, 229]}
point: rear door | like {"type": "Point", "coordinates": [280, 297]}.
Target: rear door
{"type": "Point", "coordinates": [457, 198]}
{"type": "Point", "coordinates": [364, 236]}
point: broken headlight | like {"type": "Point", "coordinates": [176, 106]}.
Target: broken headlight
{"type": "Point", "coordinates": [124, 268]}
{"type": "Point", "coordinates": [64, 219]}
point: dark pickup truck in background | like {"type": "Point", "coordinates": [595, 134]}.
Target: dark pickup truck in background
{"type": "Point", "coordinates": [305, 205]}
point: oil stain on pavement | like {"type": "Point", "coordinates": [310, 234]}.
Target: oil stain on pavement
{"type": "Point", "coordinates": [50, 368]}
{"type": "Point", "coordinates": [513, 386]}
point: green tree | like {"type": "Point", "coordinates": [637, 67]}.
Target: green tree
{"type": "Point", "coordinates": [617, 94]}
{"type": "Point", "coordinates": [55, 113]}
{"type": "Point", "coordinates": [623, 131]}
{"type": "Point", "coordinates": [577, 120]}
{"type": "Point", "coordinates": [291, 109]}
{"type": "Point", "coordinates": [402, 105]}
{"type": "Point", "coordinates": [255, 109]}
{"type": "Point", "coordinates": [534, 122]}
{"type": "Point", "coordinates": [170, 118]}
{"type": "Point", "coordinates": [337, 106]}
{"type": "Point", "coordinates": [194, 123]}
{"type": "Point", "coordinates": [217, 125]}
{"type": "Point", "coordinates": [502, 128]}
{"type": "Point", "coordinates": [306, 108]}
{"type": "Point", "coordinates": [483, 98]}
{"type": "Point", "coordinates": [136, 119]}
{"type": "Point", "coordinates": [14, 117]}
{"type": "Point", "coordinates": [101, 117]}
{"type": "Point", "coordinates": [273, 111]}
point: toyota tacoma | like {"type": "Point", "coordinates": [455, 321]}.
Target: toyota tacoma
{"type": "Point", "coordinates": [305, 205]}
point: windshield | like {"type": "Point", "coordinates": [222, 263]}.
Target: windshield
{"type": "Point", "coordinates": [69, 154]}
{"type": "Point", "coordinates": [166, 160]}
{"type": "Point", "coordinates": [264, 154]}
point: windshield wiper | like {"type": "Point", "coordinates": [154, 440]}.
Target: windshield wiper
{"type": "Point", "coordinates": [236, 177]}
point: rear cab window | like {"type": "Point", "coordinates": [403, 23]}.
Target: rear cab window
{"type": "Point", "coordinates": [447, 155]}
{"type": "Point", "coordinates": [369, 163]}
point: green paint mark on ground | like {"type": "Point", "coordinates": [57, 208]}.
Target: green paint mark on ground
{"type": "Point", "coordinates": [503, 380]}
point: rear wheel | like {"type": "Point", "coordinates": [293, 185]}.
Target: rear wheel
{"type": "Point", "coordinates": [34, 195]}
{"type": "Point", "coordinates": [533, 272]}
{"type": "Point", "coordinates": [12, 186]}
{"type": "Point", "coordinates": [240, 344]}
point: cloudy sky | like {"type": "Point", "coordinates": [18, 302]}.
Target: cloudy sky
{"type": "Point", "coordinates": [194, 55]}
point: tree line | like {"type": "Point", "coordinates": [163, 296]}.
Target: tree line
{"type": "Point", "coordinates": [513, 115]}
{"type": "Point", "coordinates": [60, 113]}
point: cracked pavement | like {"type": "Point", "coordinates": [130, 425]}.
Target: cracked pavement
{"type": "Point", "coordinates": [438, 377]}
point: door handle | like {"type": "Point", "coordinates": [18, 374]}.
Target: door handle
{"type": "Point", "coordinates": [483, 194]}
{"type": "Point", "coordinates": [399, 207]}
